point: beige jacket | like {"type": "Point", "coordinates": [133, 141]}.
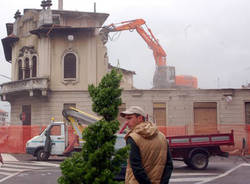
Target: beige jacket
{"type": "Point", "coordinates": [153, 150]}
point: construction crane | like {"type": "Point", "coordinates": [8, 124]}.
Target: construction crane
{"type": "Point", "coordinates": [164, 76]}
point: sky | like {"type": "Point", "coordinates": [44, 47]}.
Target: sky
{"type": "Point", "coordinates": [209, 39]}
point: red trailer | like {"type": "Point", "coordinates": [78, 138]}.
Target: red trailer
{"type": "Point", "coordinates": [195, 150]}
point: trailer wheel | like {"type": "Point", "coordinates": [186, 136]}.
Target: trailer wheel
{"type": "Point", "coordinates": [199, 161]}
{"type": "Point", "coordinates": [42, 155]}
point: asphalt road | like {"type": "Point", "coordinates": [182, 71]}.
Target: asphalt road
{"type": "Point", "coordinates": [219, 171]}
{"type": "Point", "coordinates": [232, 170]}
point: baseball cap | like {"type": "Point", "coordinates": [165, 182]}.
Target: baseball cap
{"type": "Point", "coordinates": [133, 110]}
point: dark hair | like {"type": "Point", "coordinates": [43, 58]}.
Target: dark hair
{"type": "Point", "coordinates": [137, 115]}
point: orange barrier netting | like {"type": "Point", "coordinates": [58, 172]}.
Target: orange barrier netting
{"type": "Point", "coordinates": [241, 133]}
{"type": "Point", "coordinates": [13, 138]}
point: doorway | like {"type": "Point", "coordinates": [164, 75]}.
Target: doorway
{"type": "Point", "coordinates": [205, 117]}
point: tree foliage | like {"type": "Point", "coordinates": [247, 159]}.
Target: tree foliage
{"type": "Point", "coordinates": [99, 161]}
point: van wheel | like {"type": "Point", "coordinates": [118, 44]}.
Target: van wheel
{"type": "Point", "coordinates": [199, 161]}
{"type": "Point", "coordinates": [42, 155]}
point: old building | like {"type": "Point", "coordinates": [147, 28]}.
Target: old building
{"type": "Point", "coordinates": [127, 77]}
{"type": "Point", "coordinates": [55, 54]}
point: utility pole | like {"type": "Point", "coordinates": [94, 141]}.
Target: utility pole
{"type": "Point", "coordinates": [60, 4]}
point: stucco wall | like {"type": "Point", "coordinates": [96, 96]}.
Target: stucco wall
{"type": "Point", "coordinates": [179, 104]}
{"type": "Point", "coordinates": [86, 52]}
{"type": "Point", "coordinates": [44, 108]}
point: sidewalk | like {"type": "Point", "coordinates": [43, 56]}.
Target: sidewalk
{"type": "Point", "coordinates": [27, 157]}
{"type": "Point", "coordinates": [16, 157]}
{"type": "Point", "coordinates": [8, 157]}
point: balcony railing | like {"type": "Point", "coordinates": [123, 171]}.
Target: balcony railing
{"type": "Point", "coordinates": [29, 85]}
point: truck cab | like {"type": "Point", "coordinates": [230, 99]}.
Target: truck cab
{"type": "Point", "coordinates": [52, 141]}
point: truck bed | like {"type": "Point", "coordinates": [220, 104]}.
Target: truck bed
{"type": "Point", "coordinates": [201, 140]}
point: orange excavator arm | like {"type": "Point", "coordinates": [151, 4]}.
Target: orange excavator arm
{"type": "Point", "coordinates": [152, 42]}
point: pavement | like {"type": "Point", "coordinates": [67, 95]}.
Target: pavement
{"type": "Point", "coordinates": [25, 157]}
{"type": "Point", "coordinates": [16, 157]}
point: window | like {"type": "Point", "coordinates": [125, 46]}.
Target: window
{"type": "Point", "coordinates": [26, 68]}
{"type": "Point", "coordinates": [27, 63]}
{"type": "Point", "coordinates": [55, 130]}
{"type": "Point", "coordinates": [247, 112]}
{"type": "Point", "coordinates": [70, 66]}
{"type": "Point", "coordinates": [20, 71]}
{"type": "Point", "coordinates": [56, 19]}
{"type": "Point", "coordinates": [34, 66]}
{"type": "Point", "coordinates": [26, 114]}
{"type": "Point", "coordinates": [159, 113]}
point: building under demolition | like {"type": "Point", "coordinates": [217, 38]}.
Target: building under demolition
{"type": "Point", "coordinates": [56, 54]}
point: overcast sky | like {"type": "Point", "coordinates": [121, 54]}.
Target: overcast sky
{"type": "Point", "coordinates": [209, 39]}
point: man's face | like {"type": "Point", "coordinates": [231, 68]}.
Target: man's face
{"type": "Point", "coordinates": [132, 120]}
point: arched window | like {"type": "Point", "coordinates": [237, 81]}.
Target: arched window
{"type": "Point", "coordinates": [69, 66]}
{"type": "Point", "coordinates": [27, 68]}
{"type": "Point", "coordinates": [34, 66]}
{"type": "Point", "coordinates": [20, 71]}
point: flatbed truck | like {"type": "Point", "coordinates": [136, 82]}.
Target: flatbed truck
{"type": "Point", "coordinates": [195, 150]}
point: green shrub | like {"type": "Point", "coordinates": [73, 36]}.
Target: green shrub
{"type": "Point", "coordinates": [98, 162]}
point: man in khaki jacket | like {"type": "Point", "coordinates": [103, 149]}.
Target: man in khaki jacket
{"type": "Point", "coordinates": [149, 159]}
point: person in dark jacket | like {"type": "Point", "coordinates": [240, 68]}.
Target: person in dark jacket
{"type": "Point", "coordinates": [149, 160]}
{"type": "Point", "coordinates": [1, 159]}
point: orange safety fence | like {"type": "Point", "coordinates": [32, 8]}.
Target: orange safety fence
{"type": "Point", "coordinates": [13, 138]}
{"type": "Point", "coordinates": [240, 134]}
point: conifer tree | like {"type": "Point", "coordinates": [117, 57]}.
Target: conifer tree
{"type": "Point", "coordinates": [98, 162]}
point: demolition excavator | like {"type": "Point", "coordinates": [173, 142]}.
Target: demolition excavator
{"type": "Point", "coordinates": [164, 76]}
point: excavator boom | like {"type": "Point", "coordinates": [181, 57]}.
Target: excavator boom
{"type": "Point", "coordinates": [149, 38]}
{"type": "Point", "coordinates": [164, 76]}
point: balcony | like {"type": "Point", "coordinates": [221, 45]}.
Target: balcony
{"type": "Point", "coordinates": [31, 85]}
